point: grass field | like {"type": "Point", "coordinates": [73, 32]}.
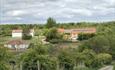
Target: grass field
{"type": "Point", "coordinates": [5, 39]}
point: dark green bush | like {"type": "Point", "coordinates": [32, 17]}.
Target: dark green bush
{"type": "Point", "coordinates": [56, 41]}
{"type": "Point", "coordinates": [26, 37]}
{"type": "Point", "coordinates": [83, 36]}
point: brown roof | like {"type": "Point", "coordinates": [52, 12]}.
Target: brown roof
{"type": "Point", "coordinates": [17, 42]}
{"type": "Point", "coordinates": [84, 30]}
{"type": "Point", "coordinates": [78, 30]}
{"type": "Point", "coordinates": [17, 31]}
{"type": "Point", "coordinates": [60, 30]}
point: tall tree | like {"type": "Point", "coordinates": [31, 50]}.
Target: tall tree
{"type": "Point", "coordinates": [50, 23]}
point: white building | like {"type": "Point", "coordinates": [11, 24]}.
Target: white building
{"type": "Point", "coordinates": [32, 32]}
{"type": "Point", "coordinates": [17, 45]}
{"type": "Point", "coordinates": [17, 33]}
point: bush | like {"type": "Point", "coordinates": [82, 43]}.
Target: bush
{"type": "Point", "coordinates": [83, 36]}
{"type": "Point", "coordinates": [56, 41]}
{"type": "Point", "coordinates": [26, 37]}
{"type": "Point", "coordinates": [104, 58]}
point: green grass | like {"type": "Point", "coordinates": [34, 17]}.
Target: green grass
{"type": "Point", "coordinates": [5, 39]}
{"type": "Point", "coordinates": [73, 45]}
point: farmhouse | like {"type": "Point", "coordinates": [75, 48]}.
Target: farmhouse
{"type": "Point", "coordinates": [74, 32]}
{"type": "Point", "coordinates": [17, 44]}
{"type": "Point", "coordinates": [19, 33]}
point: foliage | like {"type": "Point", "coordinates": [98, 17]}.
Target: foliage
{"type": "Point", "coordinates": [98, 44]}
{"type": "Point", "coordinates": [38, 53]}
{"type": "Point", "coordinates": [104, 58]}
{"type": "Point", "coordinates": [53, 35]}
{"type": "Point", "coordinates": [50, 23]}
{"type": "Point", "coordinates": [93, 51]}
{"type": "Point", "coordinates": [26, 37]}
{"type": "Point", "coordinates": [82, 36]}
{"type": "Point", "coordinates": [66, 60]}
{"type": "Point", "coordinates": [4, 58]}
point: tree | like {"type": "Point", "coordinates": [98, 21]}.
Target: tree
{"type": "Point", "coordinates": [4, 58]}
{"type": "Point", "coordinates": [83, 36]}
{"type": "Point", "coordinates": [66, 59]}
{"type": "Point", "coordinates": [98, 44]}
{"type": "Point", "coordinates": [53, 35]}
{"type": "Point", "coordinates": [50, 23]}
{"type": "Point", "coordinates": [26, 37]}
{"type": "Point", "coordinates": [38, 58]}
{"type": "Point", "coordinates": [103, 58]}
{"type": "Point", "coordinates": [89, 57]}
{"type": "Point", "coordinates": [26, 33]}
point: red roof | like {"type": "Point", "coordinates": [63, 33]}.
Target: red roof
{"type": "Point", "coordinates": [17, 31]}
{"type": "Point", "coordinates": [84, 30]}
{"type": "Point", "coordinates": [17, 42]}
{"type": "Point", "coordinates": [78, 30]}
{"type": "Point", "coordinates": [61, 30]}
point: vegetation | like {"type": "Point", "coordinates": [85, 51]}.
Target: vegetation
{"type": "Point", "coordinates": [4, 58]}
{"type": "Point", "coordinates": [26, 37]}
{"type": "Point", "coordinates": [53, 36]}
{"type": "Point", "coordinates": [85, 36]}
{"type": "Point", "coordinates": [50, 23]}
{"type": "Point", "coordinates": [91, 52]}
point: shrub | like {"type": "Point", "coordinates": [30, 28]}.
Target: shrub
{"type": "Point", "coordinates": [84, 36]}
{"type": "Point", "coordinates": [55, 41]}
{"type": "Point", "coordinates": [26, 37]}
{"type": "Point", "coordinates": [104, 58]}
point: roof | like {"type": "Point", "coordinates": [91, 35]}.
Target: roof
{"type": "Point", "coordinates": [20, 31]}
{"type": "Point", "coordinates": [17, 42]}
{"type": "Point", "coordinates": [78, 30]}
{"type": "Point", "coordinates": [60, 30]}
{"type": "Point", "coordinates": [17, 31]}
{"type": "Point", "coordinates": [84, 30]}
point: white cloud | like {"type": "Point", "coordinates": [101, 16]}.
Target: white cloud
{"type": "Point", "coordinates": [59, 9]}
{"type": "Point", "coordinates": [16, 13]}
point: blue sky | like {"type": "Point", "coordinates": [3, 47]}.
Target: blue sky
{"type": "Point", "coordinates": [37, 11]}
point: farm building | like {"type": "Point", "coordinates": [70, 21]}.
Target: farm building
{"type": "Point", "coordinates": [74, 32]}
{"type": "Point", "coordinates": [17, 44]}
{"type": "Point", "coordinates": [19, 33]}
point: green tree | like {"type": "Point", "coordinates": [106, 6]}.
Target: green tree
{"type": "Point", "coordinates": [98, 44]}
{"type": "Point", "coordinates": [89, 57]}
{"type": "Point", "coordinates": [39, 54]}
{"type": "Point", "coordinates": [66, 59]}
{"type": "Point", "coordinates": [4, 58]}
{"type": "Point", "coordinates": [104, 58]}
{"type": "Point", "coordinates": [50, 23]}
{"type": "Point", "coordinates": [84, 36]}
{"type": "Point", "coordinates": [53, 36]}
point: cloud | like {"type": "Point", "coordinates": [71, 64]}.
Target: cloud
{"type": "Point", "coordinates": [25, 11]}
{"type": "Point", "coordinates": [16, 13]}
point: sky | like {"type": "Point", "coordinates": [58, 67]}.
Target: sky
{"type": "Point", "coordinates": [37, 11]}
